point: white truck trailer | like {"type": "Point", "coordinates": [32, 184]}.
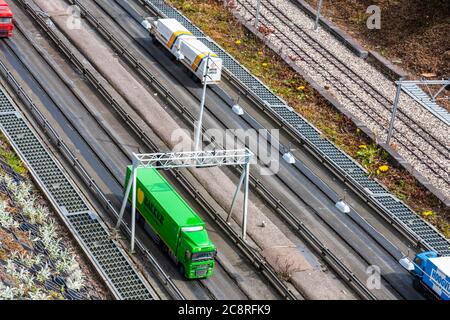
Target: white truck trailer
{"type": "Point", "coordinates": [195, 55]}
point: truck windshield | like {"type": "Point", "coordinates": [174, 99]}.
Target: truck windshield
{"type": "Point", "coordinates": [201, 256]}
{"type": "Point", "coordinates": [5, 20]}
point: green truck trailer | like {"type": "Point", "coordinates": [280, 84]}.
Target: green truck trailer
{"type": "Point", "coordinates": [175, 224]}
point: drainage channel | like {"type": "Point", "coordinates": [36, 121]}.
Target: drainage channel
{"type": "Point", "coordinates": [110, 260]}
{"type": "Point", "coordinates": [392, 209]}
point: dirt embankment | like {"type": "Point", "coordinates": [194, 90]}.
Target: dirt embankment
{"type": "Point", "coordinates": [414, 34]}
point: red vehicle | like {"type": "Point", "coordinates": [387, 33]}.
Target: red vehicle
{"type": "Point", "coordinates": [6, 20]}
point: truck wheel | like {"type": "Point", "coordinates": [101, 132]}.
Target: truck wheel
{"type": "Point", "coordinates": [164, 247]}
{"type": "Point", "coordinates": [155, 41]}
{"type": "Point", "coordinates": [181, 269]}
{"type": "Point", "coordinates": [417, 285]}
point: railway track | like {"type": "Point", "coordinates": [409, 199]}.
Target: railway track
{"type": "Point", "coordinates": [336, 264]}
{"type": "Point", "coordinates": [179, 177]}
{"type": "Point", "coordinates": [327, 66]}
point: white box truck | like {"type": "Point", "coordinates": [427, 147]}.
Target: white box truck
{"type": "Point", "coordinates": [193, 53]}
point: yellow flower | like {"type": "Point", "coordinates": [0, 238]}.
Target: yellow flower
{"type": "Point", "coordinates": [358, 130]}
{"type": "Point", "coordinates": [427, 213]}
{"type": "Point", "coordinates": [260, 53]}
{"type": "Point", "coordinates": [238, 42]}
{"type": "Point", "coordinates": [362, 146]}
{"type": "Point", "coordinates": [300, 88]}
{"type": "Point", "coordinates": [265, 64]}
{"type": "Point", "coordinates": [383, 168]}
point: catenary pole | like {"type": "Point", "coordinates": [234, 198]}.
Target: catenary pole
{"type": "Point", "coordinates": [319, 8]}
{"type": "Point", "coordinates": [394, 111]}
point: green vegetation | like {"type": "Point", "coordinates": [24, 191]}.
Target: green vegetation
{"type": "Point", "coordinates": [10, 157]}
{"type": "Point", "coordinates": [359, 18]}
{"type": "Point", "coordinates": [24, 270]}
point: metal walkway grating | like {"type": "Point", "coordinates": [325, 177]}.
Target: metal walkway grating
{"type": "Point", "coordinates": [338, 159]}
{"type": "Point", "coordinates": [415, 92]}
{"type": "Point", "coordinates": [104, 249]}
{"type": "Point", "coordinates": [110, 259]}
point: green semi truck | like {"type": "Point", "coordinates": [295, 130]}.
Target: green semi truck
{"type": "Point", "coordinates": [174, 224]}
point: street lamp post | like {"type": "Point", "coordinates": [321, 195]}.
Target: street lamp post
{"type": "Point", "coordinates": [197, 142]}
{"type": "Point", "coordinates": [258, 7]}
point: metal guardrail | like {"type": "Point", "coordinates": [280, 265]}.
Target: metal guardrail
{"type": "Point", "coordinates": [110, 260]}
{"type": "Point", "coordinates": [393, 209]}
{"type": "Point", "coordinates": [415, 92]}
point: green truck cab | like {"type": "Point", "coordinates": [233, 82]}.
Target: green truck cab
{"type": "Point", "coordinates": [180, 230]}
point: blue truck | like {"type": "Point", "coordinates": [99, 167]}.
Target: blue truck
{"type": "Point", "coordinates": [432, 274]}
